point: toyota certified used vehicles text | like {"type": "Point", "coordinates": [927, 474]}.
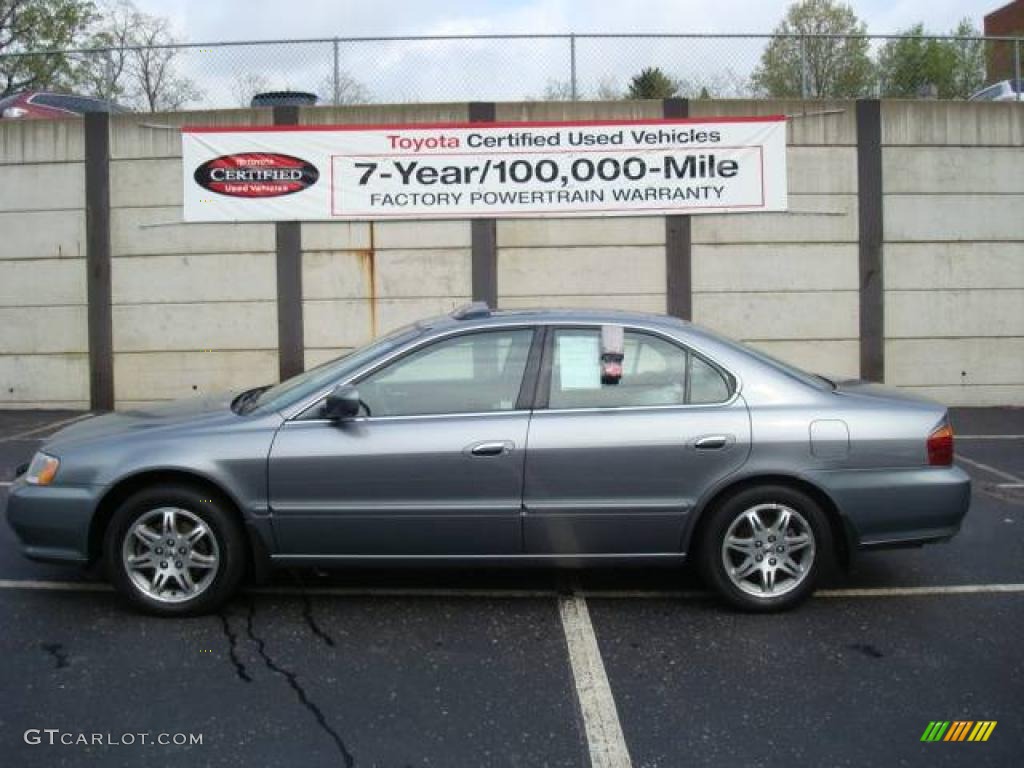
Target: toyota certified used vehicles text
{"type": "Point", "coordinates": [534, 437]}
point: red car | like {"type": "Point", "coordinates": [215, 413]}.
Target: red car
{"type": "Point", "coordinates": [43, 105]}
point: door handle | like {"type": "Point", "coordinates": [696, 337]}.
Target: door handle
{"type": "Point", "coordinates": [491, 448]}
{"type": "Point", "coordinates": [713, 442]}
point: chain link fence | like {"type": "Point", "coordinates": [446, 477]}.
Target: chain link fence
{"type": "Point", "coordinates": [526, 67]}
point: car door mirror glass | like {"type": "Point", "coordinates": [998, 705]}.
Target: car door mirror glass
{"type": "Point", "coordinates": [342, 403]}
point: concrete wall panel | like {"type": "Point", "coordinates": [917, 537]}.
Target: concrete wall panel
{"type": "Point", "coordinates": [157, 231]}
{"type": "Point", "coordinates": [44, 380]}
{"type": "Point", "coordinates": [924, 266]}
{"type": "Point", "coordinates": [546, 233]}
{"type": "Point", "coordinates": [810, 219]}
{"type": "Point", "coordinates": [43, 187]}
{"type": "Point", "coordinates": [194, 278]}
{"type": "Point", "coordinates": [954, 362]}
{"type": "Point", "coordinates": [43, 330]}
{"type": "Point", "coordinates": [147, 183]}
{"type": "Point", "coordinates": [923, 218]}
{"type": "Point", "coordinates": [953, 170]}
{"type": "Point", "coordinates": [42, 282]}
{"type": "Point", "coordinates": [952, 123]}
{"type": "Point", "coordinates": [150, 376]}
{"type": "Point", "coordinates": [777, 316]}
{"type": "Point", "coordinates": [611, 270]}
{"type": "Point", "coordinates": [41, 141]}
{"type": "Point", "coordinates": [42, 235]}
{"type": "Point", "coordinates": [782, 267]}
{"type": "Point", "coordinates": [954, 314]}
{"type": "Point", "coordinates": [195, 327]}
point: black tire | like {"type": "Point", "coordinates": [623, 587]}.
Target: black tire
{"type": "Point", "coordinates": [720, 519]}
{"type": "Point", "coordinates": [223, 525]}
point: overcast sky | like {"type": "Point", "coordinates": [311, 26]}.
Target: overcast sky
{"type": "Point", "coordinates": [208, 20]}
{"type": "Point", "coordinates": [507, 70]}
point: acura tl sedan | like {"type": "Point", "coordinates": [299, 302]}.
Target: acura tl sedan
{"type": "Point", "coordinates": [532, 437]}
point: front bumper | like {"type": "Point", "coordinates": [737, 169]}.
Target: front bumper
{"type": "Point", "coordinates": [896, 507]}
{"type": "Point", "coordinates": [52, 522]}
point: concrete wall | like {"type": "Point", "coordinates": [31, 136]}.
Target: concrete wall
{"type": "Point", "coordinates": [363, 279]}
{"type": "Point", "coordinates": [787, 282]}
{"type": "Point", "coordinates": [195, 306]}
{"type": "Point", "coordinates": [43, 341]}
{"type": "Point", "coordinates": [954, 252]}
{"type": "Point", "coordinates": [616, 263]}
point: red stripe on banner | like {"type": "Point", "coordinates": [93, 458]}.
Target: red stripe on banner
{"type": "Point", "coordinates": [478, 126]}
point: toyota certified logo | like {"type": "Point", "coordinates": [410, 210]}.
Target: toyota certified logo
{"type": "Point", "coordinates": [256, 174]}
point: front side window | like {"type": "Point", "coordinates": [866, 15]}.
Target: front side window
{"type": "Point", "coordinates": [654, 372]}
{"type": "Point", "coordinates": [472, 373]}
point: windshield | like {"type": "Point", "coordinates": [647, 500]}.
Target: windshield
{"type": "Point", "coordinates": [299, 387]}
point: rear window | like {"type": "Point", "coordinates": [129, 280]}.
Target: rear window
{"type": "Point", "coordinates": [79, 104]}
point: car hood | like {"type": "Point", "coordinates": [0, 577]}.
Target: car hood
{"type": "Point", "coordinates": [122, 423]}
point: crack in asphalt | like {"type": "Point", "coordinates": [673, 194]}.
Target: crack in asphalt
{"type": "Point", "coordinates": [293, 681]}
{"type": "Point", "coordinates": [307, 613]}
{"type": "Point", "coordinates": [232, 639]}
{"type": "Point", "coordinates": [59, 654]}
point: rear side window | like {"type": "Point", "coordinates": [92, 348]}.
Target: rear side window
{"type": "Point", "coordinates": [80, 104]}
{"type": "Point", "coordinates": [654, 372]}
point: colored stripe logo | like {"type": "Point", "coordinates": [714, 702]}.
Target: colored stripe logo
{"type": "Point", "coordinates": [958, 730]}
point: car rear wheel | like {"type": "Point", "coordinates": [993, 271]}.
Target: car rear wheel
{"type": "Point", "coordinates": [175, 551]}
{"type": "Point", "coordinates": [764, 548]}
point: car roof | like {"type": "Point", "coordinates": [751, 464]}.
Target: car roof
{"type": "Point", "coordinates": [478, 314]}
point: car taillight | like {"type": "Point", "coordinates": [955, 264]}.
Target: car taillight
{"type": "Point", "coordinates": [940, 446]}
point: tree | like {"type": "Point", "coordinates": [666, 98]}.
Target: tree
{"type": "Point", "coordinates": [652, 83]}
{"type": "Point", "coordinates": [347, 90]}
{"type": "Point", "coordinates": [137, 61]}
{"type": "Point", "coordinates": [245, 86]}
{"type": "Point", "coordinates": [909, 64]}
{"type": "Point", "coordinates": [969, 60]}
{"type": "Point", "coordinates": [912, 64]}
{"type": "Point", "coordinates": [40, 25]}
{"type": "Point", "coordinates": [818, 51]}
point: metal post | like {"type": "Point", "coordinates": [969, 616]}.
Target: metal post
{"type": "Point", "coordinates": [804, 86]}
{"type": "Point", "coordinates": [337, 72]}
{"type": "Point", "coordinates": [572, 67]}
{"type": "Point", "coordinates": [1016, 68]}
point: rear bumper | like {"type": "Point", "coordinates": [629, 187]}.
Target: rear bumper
{"type": "Point", "coordinates": [899, 507]}
{"type": "Point", "coordinates": [52, 523]}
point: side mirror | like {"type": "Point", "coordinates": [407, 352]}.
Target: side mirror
{"type": "Point", "coordinates": [342, 403]}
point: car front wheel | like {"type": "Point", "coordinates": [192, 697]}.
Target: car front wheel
{"type": "Point", "coordinates": [175, 551]}
{"type": "Point", "coordinates": [764, 548]}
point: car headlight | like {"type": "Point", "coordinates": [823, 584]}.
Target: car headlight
{"type": "Point", "coordinates": [42, 470]}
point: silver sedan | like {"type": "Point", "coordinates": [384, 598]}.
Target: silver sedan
{"type": "Point", "coordinates": [541, 437]}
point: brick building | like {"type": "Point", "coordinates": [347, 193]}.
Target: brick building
{"type": "Point", "coordinates": [1007, 21]}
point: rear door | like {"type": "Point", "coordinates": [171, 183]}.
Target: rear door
{"type": "Point", "coordinates": [615, 468]}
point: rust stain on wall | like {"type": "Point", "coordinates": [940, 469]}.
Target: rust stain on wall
{"type": "Point", "coordinates": [368, 261]}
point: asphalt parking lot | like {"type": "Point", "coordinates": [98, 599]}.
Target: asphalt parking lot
{"type": "Point", "coordinates": [535, 668]}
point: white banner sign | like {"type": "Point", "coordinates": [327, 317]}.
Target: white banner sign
{"type": "Point", "coordinates": [467, 170]}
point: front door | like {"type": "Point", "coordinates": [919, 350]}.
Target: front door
{"type": "Point", "coordinates": [615, 468]}
{"type": "Point", "coordinates": [433, 467]}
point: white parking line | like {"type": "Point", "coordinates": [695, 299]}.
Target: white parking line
{"type": "Point", "coordinates": [1009, 485]}
{"type": "Point", "coordinates": [5, 483]}
{"type": "Point", "coordinates": [43, 428]}
{"type": "Point", "coordinates": [990, 470]}
{"type": "Point", "coordinates": [605, 740]}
